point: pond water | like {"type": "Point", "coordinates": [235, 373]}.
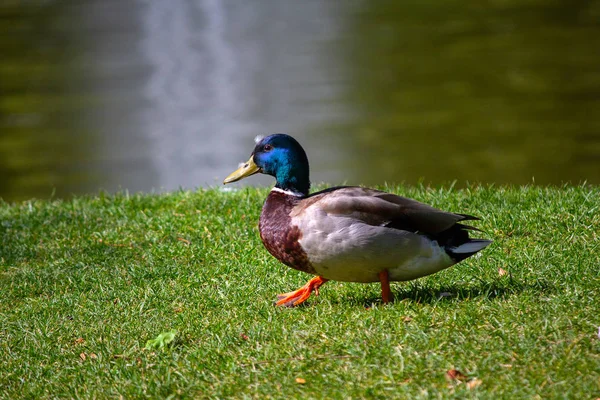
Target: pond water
{"type": "Point", "coordinates": [154, 95]}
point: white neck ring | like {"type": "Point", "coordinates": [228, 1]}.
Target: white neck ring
{"type": "Point", "coordinates": [288, 192]}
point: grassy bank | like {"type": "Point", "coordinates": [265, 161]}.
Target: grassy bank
{"type": "Point", "coordinates": [85, 283]}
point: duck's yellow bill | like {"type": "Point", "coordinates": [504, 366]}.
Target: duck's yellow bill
{"type": "Point", "coordinates": [247, 169]}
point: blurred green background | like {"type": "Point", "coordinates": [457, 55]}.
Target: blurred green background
{"type": "Point", "coordinates": [152, 95]}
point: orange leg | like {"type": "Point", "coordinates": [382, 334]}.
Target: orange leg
{"type": "Point", "coordinates": [299, 296]}
{"type": "Point", "coordinates": [386, 293]}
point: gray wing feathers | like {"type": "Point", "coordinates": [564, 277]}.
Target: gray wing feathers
{"type": "Point", "coordinates": [379, 208]}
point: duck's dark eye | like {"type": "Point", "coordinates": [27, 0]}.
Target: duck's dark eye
{"type": "Point", "coordinates": [267, 147]}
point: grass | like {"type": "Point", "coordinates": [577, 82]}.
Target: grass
{"type": "Point", "coordinates": [85, 283]}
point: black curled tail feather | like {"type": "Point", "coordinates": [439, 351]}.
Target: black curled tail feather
{"type": "Point", "coordinates": [458, 244]}
{"type": "Point", "coordinates": [467, 249]}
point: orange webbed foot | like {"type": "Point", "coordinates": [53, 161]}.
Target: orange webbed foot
{"type": "Point", "coordinates": [292, 299]}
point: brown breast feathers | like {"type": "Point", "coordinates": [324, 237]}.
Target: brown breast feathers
{"type": "Point", "coordinates": [277, 234]}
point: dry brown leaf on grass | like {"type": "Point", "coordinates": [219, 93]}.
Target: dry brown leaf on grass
{"type": "Point", "coordinates": [184, 241]}
{"type": "Point", "coordinates": [300, 381]}
{"type": "Point", "coordinates": [84, 356]}
{"type": "Point", "coordinates": [455, 375]}
{"type": "Point", "coordinates": [502, 271]}
{"type": "Point", "coordinates": [79, 340]}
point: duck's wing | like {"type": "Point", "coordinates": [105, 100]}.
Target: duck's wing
{"type": "Point", "coordinates": [375, 207]}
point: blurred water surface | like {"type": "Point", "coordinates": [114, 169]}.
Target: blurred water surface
{"type": "Point", "coordinates": [153, 95]}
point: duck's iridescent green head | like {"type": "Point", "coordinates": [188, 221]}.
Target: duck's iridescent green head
{"type": "Point", "coordinates": [281, 156]}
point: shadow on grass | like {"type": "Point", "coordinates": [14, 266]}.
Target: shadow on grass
{"type": "Point", "coordinates": [493, 290]}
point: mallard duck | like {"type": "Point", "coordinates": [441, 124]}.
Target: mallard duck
{"type": "Point", "coordinates": [349, 233]}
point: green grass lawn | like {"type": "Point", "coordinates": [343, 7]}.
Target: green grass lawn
{"type": "Point", "coordinates": [85, 283]}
